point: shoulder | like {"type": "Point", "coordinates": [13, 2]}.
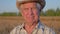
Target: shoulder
{"type": "Point", "coordinates": [17, 28]}
{"type": "Point", "coordinates": [44, 26]}
{"type": "Point", "coordinates": [48, 29]}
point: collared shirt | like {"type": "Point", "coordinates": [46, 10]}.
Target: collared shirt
{"type": "Point", "coordinates": [39, 29]}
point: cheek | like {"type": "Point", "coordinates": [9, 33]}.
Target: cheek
{"type": "Point", "coordinates": [24, 14]}
{"type": "Point", "coordinates": [36, 13]}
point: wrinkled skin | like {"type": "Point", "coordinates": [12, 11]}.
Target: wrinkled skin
{"type": "Point", "coordinates": [30, 12]}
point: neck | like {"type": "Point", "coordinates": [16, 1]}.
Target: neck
{"type": "Point", "coordinates": [30, 24]}
{"type": "Point", "coordinates": [29, 27]}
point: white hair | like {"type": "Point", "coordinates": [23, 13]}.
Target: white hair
{"type": "Point", "coordinates": [38, 6]}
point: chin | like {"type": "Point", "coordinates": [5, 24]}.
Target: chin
{"type": "Point", "coordinates": [33, 21]}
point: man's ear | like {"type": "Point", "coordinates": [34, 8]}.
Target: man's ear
{"type": "Point", "coordinates": [21, 12]}
{"type": "Point", "coordinates": [39, 12]}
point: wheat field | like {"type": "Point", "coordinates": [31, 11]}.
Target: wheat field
{"type": "Point", "coordinates": [7, 23]}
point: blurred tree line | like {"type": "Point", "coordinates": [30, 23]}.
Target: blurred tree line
{"type": "Point", "coordinates": [49, 12]}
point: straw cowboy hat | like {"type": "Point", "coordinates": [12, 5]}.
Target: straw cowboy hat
{"type": "Point", "coordinates": [41, 2]}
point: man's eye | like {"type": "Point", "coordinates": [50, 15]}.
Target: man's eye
{"type": "Point", "coordinates": [34, 8]}
{"type": "Point", "coordinates": [25, 9]}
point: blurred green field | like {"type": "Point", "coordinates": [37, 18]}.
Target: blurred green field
{"type": "Point", "coordinates": [7, 23]}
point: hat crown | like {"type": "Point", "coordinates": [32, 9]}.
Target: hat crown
{"type": "Point", "coordinates": [41, 2]}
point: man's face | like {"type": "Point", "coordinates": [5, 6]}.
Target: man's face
{"type": "Point", "coordinates": [30, 12]}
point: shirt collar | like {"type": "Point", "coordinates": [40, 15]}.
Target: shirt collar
{"type": "Point", "coordinates": [39, 25]}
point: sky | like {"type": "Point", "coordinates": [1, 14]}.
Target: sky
{"type": "Point", "coordinates": [10, 5]}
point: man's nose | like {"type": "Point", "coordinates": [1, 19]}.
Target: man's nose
{"type": "Point", "coordinates": [30, 11]}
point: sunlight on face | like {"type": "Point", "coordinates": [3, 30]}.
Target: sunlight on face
{"type": "Point", "coordinates": [30, 12]}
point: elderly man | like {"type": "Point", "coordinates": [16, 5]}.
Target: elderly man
{"type": "Point", "coordinates": [30, 10]}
